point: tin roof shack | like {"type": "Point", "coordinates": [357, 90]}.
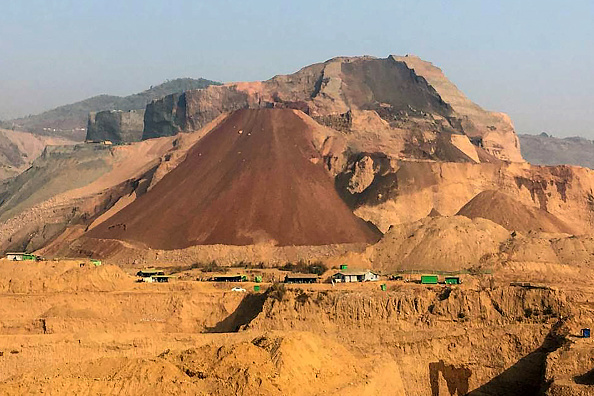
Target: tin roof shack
{"type": "Point", "coordinates": [355, 276]}
{"type": "Point", "coordinates": [21, 257]}
{"type": "Point", "coordinates": [14, 256]}
{"type": "Point", "coordinates": [229, 278]}
{"type": "Point", "coordinates": [301, 278]}
{"type": "Point", "coordinates": [161, 278]}
{"type": "Point", "coordinates": [453, 280]}
{"type": "Point", "coordinates": [147, 275]}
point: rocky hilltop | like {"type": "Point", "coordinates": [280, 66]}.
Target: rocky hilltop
{"type": "Point", "coordinates": [402, 106]}
{"type": "Point", "coordinates": [544, 149]}
{"type": "Point", "coordinates": [116, 126]}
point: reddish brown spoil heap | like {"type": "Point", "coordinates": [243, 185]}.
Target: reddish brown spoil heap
{"type": "Point", "coordinates": [255, 178]}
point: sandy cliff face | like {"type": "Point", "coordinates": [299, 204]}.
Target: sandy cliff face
{"type": "Point", "coordinates": [408, 191]}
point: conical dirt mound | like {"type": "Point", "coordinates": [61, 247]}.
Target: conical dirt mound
{"type": "Point", "coordinates": [256, 178]}
{"type": "Point", "coordinates": [511, 214]}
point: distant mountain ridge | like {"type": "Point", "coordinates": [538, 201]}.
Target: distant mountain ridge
{"type": "Point", "coordinates": [545, 149]}
{"type": "Point", "coordinates": [70, 120]}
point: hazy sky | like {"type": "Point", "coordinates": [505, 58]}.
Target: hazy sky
{"type": "Point", "coordinates": [531, 59]}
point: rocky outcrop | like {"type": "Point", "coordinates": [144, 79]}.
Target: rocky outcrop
{"type": "Point", "coordinates": [494, 132]}
{"type": "Point", "coordinates": [414, 108]}
{"type": "Point", "coordinates": [116, 126]}
{"type": "Point", "coordinates": [363, 175]}
{"type": "Point", "coordinates": [192, 110]}
{"type": "Point", "coordinates": [69, 121]}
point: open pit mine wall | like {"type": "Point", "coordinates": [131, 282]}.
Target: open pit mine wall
{"type": "Point", "coordinates": [459, 331]}
{"type": "Point", "coordinates": [192, 110]}
{"type": "Point", "coordinates": [411, 190]}
{"type": "Point", "coordinates": [116, 126]}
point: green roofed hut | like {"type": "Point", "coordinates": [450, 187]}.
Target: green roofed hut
{"type": "Point", "coordinates": [453, 280]}
{"type": "Point", "coordinates": [429, 279]}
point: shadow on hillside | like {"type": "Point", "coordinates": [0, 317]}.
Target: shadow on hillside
{"type": "Point", "coordinates": [525, 377]}
{"type": "Point", "coordinates": [246, 311]}
{"type": "Point", "coordinates": [456, 378]}
{"type": "Point", "coordinates": [585, 379]}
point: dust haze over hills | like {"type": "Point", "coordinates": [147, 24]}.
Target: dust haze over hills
{"type": "Point", "coordinates": [544, 149]}
{"type": "Point", "coordinates": [70, 120]}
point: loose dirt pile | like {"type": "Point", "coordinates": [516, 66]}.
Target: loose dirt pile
{"type": "Point", "coordinates": [437, 243]}
{"type": "Point", "coordinates": [511, 214]}
{"type": "Point", "coordinates": [256, 178]}
{"type": "Point", "coordinates": [35, 277]}
{"type": "Point", "coordinates": [291, 364]}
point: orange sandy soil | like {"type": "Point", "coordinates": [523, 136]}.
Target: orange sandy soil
{"type": "Point", "coordinates": [67, 329]}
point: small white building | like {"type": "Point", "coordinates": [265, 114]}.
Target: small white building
{"type": "Point", "coordinates": [15, 256]}
{"type": "Point", "coordinates": [346, 276]}
{"type": "Point", "coordinates": [22, 257]}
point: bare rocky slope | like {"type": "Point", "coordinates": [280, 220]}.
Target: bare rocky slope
{"type": "Point", "coordinates": [18, 150]}
{"type": "Point", "coordinates": [406, 191]}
